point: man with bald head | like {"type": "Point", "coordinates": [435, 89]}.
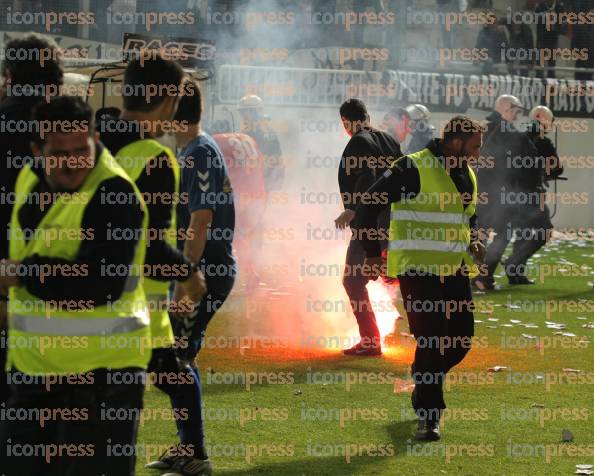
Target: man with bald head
{"type": "Point", "coordinates": [509, 181]}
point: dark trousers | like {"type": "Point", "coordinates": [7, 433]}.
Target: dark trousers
{"type": "Point", "coordinates": [531, 228]}
{"type": "Point", "coordinates": [185, 394]}
{"type": "Point", "coordinates": [440, 317]}
{"type": "Point", "coordinates": [355, 285]}
{"type": "Point", "coordinates": [191, 331]}
{"type": "Point", "coordinates": [194, 327]}
{"type": "Point", "coordinates": [88, 428]}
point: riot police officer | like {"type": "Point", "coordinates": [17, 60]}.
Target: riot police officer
{"type": "Point", "coordinates": [410, 126]}
{"type": "Point", "coordinates": [513, 191]}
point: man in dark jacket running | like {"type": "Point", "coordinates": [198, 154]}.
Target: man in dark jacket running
{"type": "Point", "coordinates": [368, 152]}
{"type": "Point", "coordinates": [511, 188]}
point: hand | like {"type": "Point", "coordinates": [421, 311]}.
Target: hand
{"type": "Point", "coordinates": [187, 294]}
{"type": "Point", "coordinates": [181, 306]}
{"type": "Point", "coordinates": [373, 267]}
{"type": "Point", "coordinates": [194, 287]}
{"type": "Point", "coordinates": [344, 219]}
{"type": "Point", "coordinates": [477, 250]}
{"type": "Point", "coordinates": [8, 276]}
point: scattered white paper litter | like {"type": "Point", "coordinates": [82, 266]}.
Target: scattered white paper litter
{"type": "Point", "coordinates": [497, 368]}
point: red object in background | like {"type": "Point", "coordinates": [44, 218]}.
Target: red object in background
{"type": "Point", "coordinates": [402, 128]}
{"type": "Point", "coordinates": [245, 164]}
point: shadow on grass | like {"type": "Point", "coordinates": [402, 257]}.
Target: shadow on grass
{"type": "Point", "coordinates": [400, 433]}
{"type": "Point", "coordinates": [320, 466]}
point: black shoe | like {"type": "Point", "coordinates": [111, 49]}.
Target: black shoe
{"type": "Point", "coordinates": [188, 466]}
{"type": "Point", "coordinates": [518, 280]}
{"type": "Point", "coordinates": [428, 430]}
{"type": "Point", "coordinates": [483, 284]}
{"type": "Point", "coordinates": [166, 459]}
{"type": "Point", "coordinates": [362, 351]}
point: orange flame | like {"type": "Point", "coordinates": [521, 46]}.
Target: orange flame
{"type": "Point", "coordinates": [383, 301]}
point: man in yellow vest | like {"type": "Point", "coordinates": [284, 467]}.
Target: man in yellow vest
{"type": "Point", "coordinates": [152, 87]}
{"type": "Point", "coordinates": [433, 196]}
{"type": "Point", "coordinates": [78, 342]}
{"type": "Point", "coordinates": [25, 66]}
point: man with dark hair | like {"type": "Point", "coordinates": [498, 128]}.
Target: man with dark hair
{"type": "Point", "coordinates": [368, 150]}
{"type": "Point", "coordinates": [95, 329]}
{"type": "Point", "coordinates": [32, 62]}
{"type": "Point", "coordinates": [152, 88]}
{"type": "Point", "coordinates": [31, 70]}
{"type": "Point", "coordinates": [150, 81]}
{"type": "Point", "coordinates": [433, 195]}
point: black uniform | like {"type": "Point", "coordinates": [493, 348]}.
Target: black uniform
{"type": "Point", "coordinates": [547, 151]}
{"type": "Point", "coordinates": [116, 134]}
{"type": "Point", "coordinates": [513, 187]}
{"type": "Point", "coordinates": [429, 324]}
{"type": "Point", "coordinates": [368, 151]}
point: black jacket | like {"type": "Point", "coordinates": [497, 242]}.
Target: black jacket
{"type": "Point", "coordinates": [15, 149]}
{"type": "Point", "coordinates": [159, 182]}
{"type": "Point", "coordinates": [547, 152]}
{"type": "Point", "coordinates": [367, 154]}
{"type": "Point", "coordinates": [513, 158]}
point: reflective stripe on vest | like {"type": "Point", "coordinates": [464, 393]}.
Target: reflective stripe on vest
{"type": "Point", "coordinates": [431, 217]}
{"type": "Point", "coordinates": [96, 326]}
{"type": "Point", "coordinates": [75, 336]}
{"type": "Point", "coordinates": [427, 232]}
{"type": "Point", "coordinates": [429, 245]}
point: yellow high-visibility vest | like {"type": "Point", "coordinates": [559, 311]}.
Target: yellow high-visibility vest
{"type": "Point", "coordinates": [67, 338]}
{"type": "Point", "coordinates": [430, 233]}
{"type": "Point", "coordinates": [134, 159]}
